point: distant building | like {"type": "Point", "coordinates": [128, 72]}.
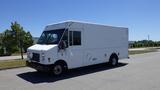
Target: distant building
{"type": "Point", "coordinates": [131, 42]}
{"type": "Point", "coordinates": [35, 40]}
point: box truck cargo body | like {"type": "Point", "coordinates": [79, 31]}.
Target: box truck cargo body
{"type": "Point", "coordinates": [73, 44]}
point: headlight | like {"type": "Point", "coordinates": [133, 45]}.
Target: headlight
{"type": "Point", "coordinates": [29, 55]}
{"type": "Point", "coordinates": [43, 56]}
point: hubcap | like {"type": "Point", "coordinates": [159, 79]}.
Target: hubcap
{"type": "Point", "coordinates": [57, 69]}
{"type": "Point", "coordinates": [114, 61]}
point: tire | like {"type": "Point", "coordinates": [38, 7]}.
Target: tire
{"type": "Point", "coordinates": [58, 69]}
{"type": "Point", "coordinates": [113, 61]}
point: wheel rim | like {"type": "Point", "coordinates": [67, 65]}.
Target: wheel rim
{"type": "Point", "coordinates": [57, 69]}
{"type": "Point", "coordinates": [114, 61]}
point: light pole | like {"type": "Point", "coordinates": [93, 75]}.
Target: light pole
{"type": "Point", "coordinates": [148, 39]}
{"type": "Point", "coordinates": [21, 46]}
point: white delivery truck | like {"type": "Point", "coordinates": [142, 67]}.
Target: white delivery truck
{"type": "Point", "coordinates": [74, 44]}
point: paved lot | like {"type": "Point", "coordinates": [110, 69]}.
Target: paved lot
{"type": "Point", "coordinates": [12, 57]}
{"type": "Point", "coordinates": [141, 72]}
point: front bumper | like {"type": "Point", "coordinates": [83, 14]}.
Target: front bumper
{"type": "Point", "coordinates": [39, 67]}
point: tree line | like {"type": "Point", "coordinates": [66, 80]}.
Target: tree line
{"type": "Point", "coordinates": [144, 43]}
{"type": "Point", "coordinates": [14, 40]}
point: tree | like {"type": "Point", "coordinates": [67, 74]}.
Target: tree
{"type": "Point", "coordinates": [145, 43]}
{"type": "Point", "coordinates": [9, 42]}
{"type": "Point", "coordinates": [1, 44]}
{"type": "Point", "coordinates": [27, 41]}
{"type": "Point", "coordinates": [23, 39]}
{"type": "Point", "coordinates": [16, 39]}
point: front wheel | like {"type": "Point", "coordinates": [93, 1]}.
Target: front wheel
{"type": "Point", "coordinates": [58, 69]}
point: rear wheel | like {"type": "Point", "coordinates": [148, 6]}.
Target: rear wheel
{"type": "Point", "coordinates": [113, 61]}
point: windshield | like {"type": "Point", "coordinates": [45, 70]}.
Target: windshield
{"type": "Point", "coordinates": [51, 37]}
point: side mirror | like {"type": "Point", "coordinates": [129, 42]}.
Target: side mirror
{"type": "Point", "coordinates": [62, 45]}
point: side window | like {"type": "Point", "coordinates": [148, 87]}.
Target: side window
{"type": "Point", "coordinates": [75, 38]}
{"type": "Point", "coordinates": [70, 38]}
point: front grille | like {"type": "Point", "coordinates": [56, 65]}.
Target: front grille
{"type": "Point", "coordinates": [35, 57]}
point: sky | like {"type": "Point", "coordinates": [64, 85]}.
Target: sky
{"type": "Point", "coordinates": [142, 17]}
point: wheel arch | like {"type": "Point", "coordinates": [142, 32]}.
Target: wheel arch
{"type": "Point", "coordinates": [62, 62]}
{"type": "Point", "coordinates": [114, 55]}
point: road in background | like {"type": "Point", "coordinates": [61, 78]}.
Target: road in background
{"type": "Point", "coordinates": [136, 49]}
{"type": "Point", "coordinates": [140, 72]}
{"type": "Point", "coordinates": [12, 57]}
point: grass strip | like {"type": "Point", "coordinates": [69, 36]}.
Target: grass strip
{"type": "Point", "coordinates": [142, 51]}
{"type": "Point", "coordinates": [7, 64]}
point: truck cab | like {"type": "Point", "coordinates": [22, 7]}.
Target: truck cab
{"type": "Point", "coordinates": [56, 50]}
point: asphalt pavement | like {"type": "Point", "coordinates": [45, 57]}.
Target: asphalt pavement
{"type": "Point", "coordinates": [140, 72]}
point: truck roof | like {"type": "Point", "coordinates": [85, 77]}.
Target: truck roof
{"type": "Point", "coordinates": [64, 24]}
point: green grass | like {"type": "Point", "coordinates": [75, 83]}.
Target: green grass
{"type": "Point", "coordinates": [7, 64]}
{"type": "Point", "coordinates": [142, 51]}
